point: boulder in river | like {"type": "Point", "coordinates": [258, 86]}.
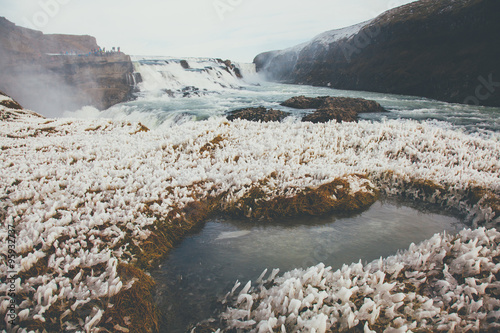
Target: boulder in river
{"type": "Point", "coordinates": [329, 108]}
{"type": "Point", "coordinates": [258, 114]}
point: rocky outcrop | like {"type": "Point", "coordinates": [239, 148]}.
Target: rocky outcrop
{"type": "Point", "coordinates": [10, 110]}
{"type": "Point", "coordinates": [302, 102]}
{"type": "Point", "coordinates": [28, 44]}
{"type": "Point", "coordinates": [333, 108]}
{"type": "Point", "coordinates": [442, 49]}
{"type": "Point", "coordinates": [327, 108]}
{"type": "Point", "coordinates": [54, 73]}
{"type": "Point", "coordinates": [231, 67]}
{"type": "Point", "coordinates": [8, 102]}
{"type": "Point", "coordinates": [325, 115]}
{"type": "Point", "coordinates": [258, 114]}
{"type": "Point", "coordinates": [359, 105]}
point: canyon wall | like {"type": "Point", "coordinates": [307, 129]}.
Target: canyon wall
{"type": "Point", "coordinates": [55, 73]}
{"type": "Point", "coordinates": [441, 49]}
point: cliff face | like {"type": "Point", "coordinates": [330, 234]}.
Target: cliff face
{"type": "Point", "coordinates": [441, 49]}
{"type": "Point", "coordinates": [36, 71]}
{"type": "Point", "coordinates": [26, 43]}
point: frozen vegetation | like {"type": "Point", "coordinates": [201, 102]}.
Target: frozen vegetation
{"type": "Point", "coordinates": [447, 283]}
{"type": "Point", "coordinates": [87, 197]}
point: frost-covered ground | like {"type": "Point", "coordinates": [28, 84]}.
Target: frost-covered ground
{"type": "Point", "coordinates": [447, 284]}
{"type": "Point", "coordinates": [85, 195]}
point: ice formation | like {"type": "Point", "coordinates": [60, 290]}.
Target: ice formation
{"type": "Point", "coordinates": [447, 283]}
{"type": "Point", "coordinates": [81, 193]}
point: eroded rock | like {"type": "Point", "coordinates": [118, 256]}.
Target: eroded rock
{"type": "Point", "coordinates": [330, 108]}
{"type": "Point", "coordinates": [258, 114]}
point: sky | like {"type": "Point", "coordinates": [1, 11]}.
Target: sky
{"type": "Point", "coordinates": [229, 29]}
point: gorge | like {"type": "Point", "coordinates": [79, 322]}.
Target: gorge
{"type": "Point", "coordinates": [55, 73]}
{"type": "Point", "coordinates": [445, 50]}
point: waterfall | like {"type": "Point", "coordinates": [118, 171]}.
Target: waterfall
{"type": "Point", "coordinates": [187, 77]}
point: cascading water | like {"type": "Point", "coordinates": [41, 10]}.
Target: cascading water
{"type": "Point", "coordinates": [170, 91]}
{"type": "Point", "coordinates": [185, 77]}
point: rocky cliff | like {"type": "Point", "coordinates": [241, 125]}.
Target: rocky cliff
{"type": "Point", "coordinates": [441, 49]}
{"type": "Point", "coordinates": [54, 73]}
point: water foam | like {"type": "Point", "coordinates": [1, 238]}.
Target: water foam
{"type": "Point", "coordinates": [184, 77]}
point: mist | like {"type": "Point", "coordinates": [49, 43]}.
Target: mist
{"type": "Point", "coordinates": [39, 89]}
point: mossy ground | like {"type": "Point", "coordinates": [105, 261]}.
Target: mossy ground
{"type": "Point", "coordinates": [133, 309]}
{"type": "Point", "coordinates": [168, 231]}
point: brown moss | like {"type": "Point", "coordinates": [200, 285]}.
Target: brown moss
{"type": "Point", "coordinates": [475, 195]}
{"type": "Point", "coordinates": [166, 232]}
{"type": "Point", "coordinates": [93, 129]}
{"type": "Point", "coordinates": [135, 303]}
{"type": "Point", "coordinates": [141, 128]}
{"type": "Point", "coordinates": [489, 198]}
{"type": "Point", "coordinates": [52, 323]}
{"type": "Point", "coordinates": [213, 144]}
{"type": "Point", "coordinates": [427, 186]}
{"type": "Point", "coordinates": [50, 130]}
{"type": "Point", "coordinates": [38, 269]}
{"type": "Point", "coordinates": [331, 197]}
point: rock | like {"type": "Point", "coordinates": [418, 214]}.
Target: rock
{"type": "Point", "coordinates": [237, 72]}
{"type": "Point", "coordinates": [302, 102]}
{"type": "Point", "coordinates": [359, 105]}
{"type": "Point", "coordinates": [169, 92]}
{"type": "Point", "coordinates": [330, 108]}
{"type": "Point", "coordinates": [443, 49]}
{"type": "Point", "coordinates": [185, 64]}
{"type": "Point", "coordinates": [231, 67]}
{"type": "Point", "coordinates": [12, 110]}
{"type": "Point", "coordinates": [258, 114]}
{"type": "Point", "coordinates": [28, 44]}
{"type": "Point", "coordinates": [191, 91]}
{"type": "Point", "coordinates": [325, 115]}
{"type": "Point", "coordinates": [137, 77]}
{"type": "Point", "coordinates": [38, 77]}
{"type": "Point", "coordinates": [9, 103]}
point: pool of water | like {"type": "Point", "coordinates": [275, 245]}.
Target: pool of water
{"type": "Point", "coordinates": [205, 266]}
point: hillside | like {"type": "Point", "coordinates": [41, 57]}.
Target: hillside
{"type": "Point", "coordinates": [442, 49]}
{"type": "Point", "coordinates": [54, 73]}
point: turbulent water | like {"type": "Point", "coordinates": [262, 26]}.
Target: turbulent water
{"type": "Point", "coordinates": [206, 265]}
{"type": "Point", "coordinates": [170, 94]}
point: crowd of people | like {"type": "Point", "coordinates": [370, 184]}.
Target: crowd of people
{"type": "Point", "coordinates": [94, 52]}
{"type": "Point", "coordinates": [102, 51]}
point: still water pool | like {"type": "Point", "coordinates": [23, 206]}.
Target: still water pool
{"type": "Point", "coordinates": [205, 266]}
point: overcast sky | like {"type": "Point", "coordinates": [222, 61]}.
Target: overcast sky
{"type": "Point", "coordinates": [229, 29]}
